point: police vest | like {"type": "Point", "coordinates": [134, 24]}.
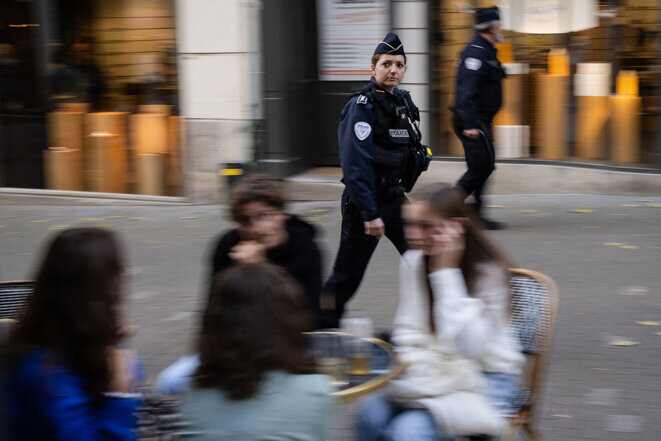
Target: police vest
{"type": "Point", "coordinates": [398, 156]}
{"type": "Point", "coordinates": [393, 131]}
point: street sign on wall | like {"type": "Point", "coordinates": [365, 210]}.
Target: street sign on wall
{"type": "Point", "coordinates": [348, 32]}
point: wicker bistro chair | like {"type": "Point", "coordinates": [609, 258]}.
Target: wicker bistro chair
{"type": "Point", "coordinates": [13, 296]}
{"type": "Point", "coordinates": [533, 315]}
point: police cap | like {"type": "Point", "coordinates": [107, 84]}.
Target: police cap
{"type": "Point", "coordinates": [390, 45]}
{"type": "Point", "coordinates": [485, 17]}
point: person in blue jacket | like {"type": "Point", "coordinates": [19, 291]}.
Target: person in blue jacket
{"type": "Point", "coordinates": [477, 100]}
{"type": "Point", "coordinates": [381, 157]}
{"type": "Point", "coordinates": [68, 378]}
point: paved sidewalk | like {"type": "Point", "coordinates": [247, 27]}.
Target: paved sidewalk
{"type": "Point", "coordinates": [605, 259]}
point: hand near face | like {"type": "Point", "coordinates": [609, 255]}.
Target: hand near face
{"type": "Point", "coordinates": [124, 369]}
{"type": "Point", "coordinates": [248, 252]}
{"type": "Point", "coordinates": [449, 244]}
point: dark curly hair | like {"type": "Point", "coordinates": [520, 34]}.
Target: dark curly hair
{"type": "Point", "coordinates": [253, 323]}
{"type": "Point", "coordinates": [257, 188]}
{"type": "Point", "coordinates": [74, 308]}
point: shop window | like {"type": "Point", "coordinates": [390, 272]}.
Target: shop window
{"type": "Point", "coordinates": [89, 96]}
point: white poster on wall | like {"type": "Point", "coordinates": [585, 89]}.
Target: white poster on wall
{"type": "Point", "coordinates": [548, 16]}
{"type": "Point", "coordinates": [348, 32]}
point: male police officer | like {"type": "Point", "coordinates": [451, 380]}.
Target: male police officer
{"type": "Point", "coordinates": [478, 97]}
{"type": "Point", "coordinates": [381, 157]}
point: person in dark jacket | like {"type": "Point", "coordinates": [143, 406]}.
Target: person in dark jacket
{"type": "Point", "coordinates": [381, 157]}
{"type": "Point", "coordinates": [477, 100]}
{"type": "Point", "coordinates": [69, 379]}
{"type": "Point", "coordinates": [266, 233]}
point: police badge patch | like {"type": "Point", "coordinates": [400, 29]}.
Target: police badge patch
{"type": "Point", "coordinates": [362, 130]}
{"type": "Point", "coordinates": [362, 99]}
{"type": "Point", "coordinates": [473, 63]}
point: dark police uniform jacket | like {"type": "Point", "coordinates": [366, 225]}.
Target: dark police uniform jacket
{"type": "Point", "coordinates": [374, 145]}
{"type": "Point", "coordinates": [479, 86]}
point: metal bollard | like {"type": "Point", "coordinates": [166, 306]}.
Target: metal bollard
{"type": "Point", "coordinates": [232, 172]}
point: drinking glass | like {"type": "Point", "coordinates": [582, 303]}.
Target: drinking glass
{"type": "Point", "coordinates": [330, 353]}
{"type": "Point", "coordinates": [359, 326]}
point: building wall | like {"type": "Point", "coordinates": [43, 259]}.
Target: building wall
{"type": "Point", "coordinates": [410, 22]}
{"type": "Point", "coordinates": [218, 56]}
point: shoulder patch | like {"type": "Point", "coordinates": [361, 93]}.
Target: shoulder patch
{"type": "Point", "coordinates": [362, 100]}
{"type": "Point", "coordinates": [362, 130]}
{"type": "Point", "coordinates": [473, 63]}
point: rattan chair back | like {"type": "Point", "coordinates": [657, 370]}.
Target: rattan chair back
{"type": "Point", "coordinates": [13, 297]}
{"type": "Point", "coordinates": [534, 306]}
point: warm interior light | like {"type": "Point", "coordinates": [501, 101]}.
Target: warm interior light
{"type": "Point", "coordinates": [505, 53]}
{"type": "Point", "coordinates": [150, 132]}
{"type": "Point", "coordinates": [559, 62]}
{"type": "Point", "coordinates": [627, 83]}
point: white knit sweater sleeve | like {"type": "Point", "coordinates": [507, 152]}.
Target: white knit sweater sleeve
{"type": "Point", "coordinates": [407, 322]}
{"type": "Point", "coordinates": [468, 322]}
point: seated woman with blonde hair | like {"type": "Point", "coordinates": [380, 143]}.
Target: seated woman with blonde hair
{"type": "Point", "coordinates": [451, 331]}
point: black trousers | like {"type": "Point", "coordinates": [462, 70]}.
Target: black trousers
{"type": "Point", "coordinates": [480, 159]}
{"type": "Point", "coordinates": [356, 249]}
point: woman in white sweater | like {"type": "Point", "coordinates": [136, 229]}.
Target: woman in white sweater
{"type": "Point", "coordinates": [451, 331]}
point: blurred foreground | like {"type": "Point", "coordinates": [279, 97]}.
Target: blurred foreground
{"type": "Point", "coordinates": [603, 379]}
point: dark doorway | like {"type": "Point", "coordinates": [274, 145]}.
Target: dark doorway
{"type": "Point", "coordinates": [300, 111]}
{"type": "Point", "coordinates": [22, 103]}
{"type": "Point", "coordinates": [291, 109]}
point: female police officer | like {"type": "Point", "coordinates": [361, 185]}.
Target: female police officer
{"type": "Point", "coordinates": [381, 157]}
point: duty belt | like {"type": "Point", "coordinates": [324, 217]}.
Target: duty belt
{"type": "Point", "coordinates": [389, 186]}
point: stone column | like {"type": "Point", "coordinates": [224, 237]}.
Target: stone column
{"type": "Point", "coordinates": [410, 22]}
{"type": "Point", "coordinates": [218, 55]}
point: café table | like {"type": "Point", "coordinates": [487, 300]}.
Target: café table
{"type": "Point", "coordinates": [383, 366]}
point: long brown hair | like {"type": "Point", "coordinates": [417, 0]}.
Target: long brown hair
{"type": "Point", "coordinates": [253, 323]}
{"type": "Point", "coordinates": [448, 202]}
{"type": "Point", "coordinates": [74, 308]}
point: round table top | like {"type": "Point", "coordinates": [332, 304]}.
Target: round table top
{"type": "Point", "coordinates": [383, 368]}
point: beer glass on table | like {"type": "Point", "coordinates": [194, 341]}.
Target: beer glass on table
{"type": "Point", "coordinates": [359, 326]}
{"type": "Point", "coordinates": [331, 357]}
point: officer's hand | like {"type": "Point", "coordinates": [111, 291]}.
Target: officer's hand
{"type": "Point", "coordinates": [472, 133]}
{"type": "Point", "coordinates": [375, 228]}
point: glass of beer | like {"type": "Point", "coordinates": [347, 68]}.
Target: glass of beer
{"type": "Point", "coordinates": [331, 357]}
{"type": "Point", "coordinates": [359, 326]}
